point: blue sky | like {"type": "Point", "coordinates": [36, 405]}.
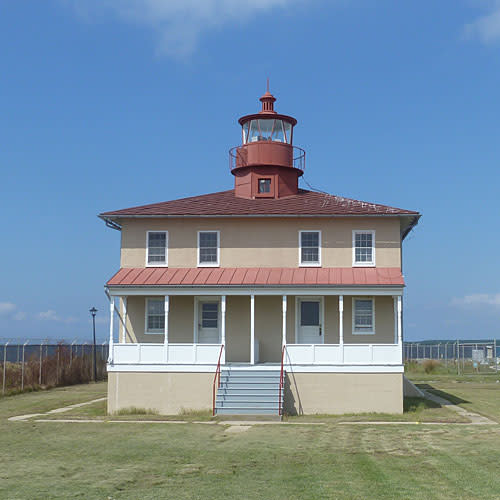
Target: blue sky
{"type": "Point", "coordinates": [108, 104]}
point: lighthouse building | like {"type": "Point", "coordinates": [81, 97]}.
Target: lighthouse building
{"type": "Point", "coordinates": [264, 299]}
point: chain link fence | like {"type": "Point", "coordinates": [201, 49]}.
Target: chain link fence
{"type": "Point", "coordinates": [31, 366]}
{"type": "Point", "coordinates": [466, 357]}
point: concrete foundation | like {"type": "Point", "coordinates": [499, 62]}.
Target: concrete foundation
{"type": "Point", "coordinates": [339, 393]}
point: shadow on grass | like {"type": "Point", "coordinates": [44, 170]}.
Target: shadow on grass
{"type": "Point", "coordinates": [442, 394]}
{"type": "Point", "coordinates": [418, 404]}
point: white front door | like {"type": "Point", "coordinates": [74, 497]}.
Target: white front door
{"type": "Point", "coordinates": [208, 322]}
{"type": "Point", "coordinates": [310, 330]}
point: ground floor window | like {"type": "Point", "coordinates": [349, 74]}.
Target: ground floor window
{"type": "Point", "coordinates": [363, 315]}
{"type": "Point", "coordinates": [155, 315]}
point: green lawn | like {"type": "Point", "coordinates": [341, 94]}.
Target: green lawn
{"type": "Point", "coordinates": [198, 461]}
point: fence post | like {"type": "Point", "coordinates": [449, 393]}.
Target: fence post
{"type": "Point", "coordinates": [4, 366]}
{"type": "Point", "coordinates": [22, 368]}
{"type": "Point", "coordinates": [495, 354]}
{"type": "Point", "coordinates": [57, 366]}
{"type": "Point", "coordinates": [40, 368]}
{"type": "Point", "coordinates": [458, 358]}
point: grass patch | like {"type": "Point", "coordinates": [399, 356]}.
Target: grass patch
{"type": "Point", "coordinates": [96, 461]}
{"type": "Point", "coordinates": [134, 410]}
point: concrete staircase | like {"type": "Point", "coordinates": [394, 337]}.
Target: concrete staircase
{"type": "Point", "coordinates": [248, 392]}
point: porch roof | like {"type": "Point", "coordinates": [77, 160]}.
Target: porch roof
{"type": "Point", "coordinates": [261, 276]}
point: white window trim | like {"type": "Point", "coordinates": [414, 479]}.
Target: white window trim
{"type": "Point", "coordinates": [354, 332]}
{"type": "Point", "coordinates": [321, 315]}
{"type": "Point", "coordinates": [146, 331]}
{"type": "Point", "coordinates": [156, 264]}
{"type": "Point", "coordinates": [309, 264]}
{"type": "Point", "coordinates": [209, 264]}
{"type": "Point", "coordinates": [208, 298]}
{"type": "Point", "coordinates": [363, 264]}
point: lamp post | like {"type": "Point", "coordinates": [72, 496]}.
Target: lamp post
{"type": "Point", "coordinates": [93, 311]}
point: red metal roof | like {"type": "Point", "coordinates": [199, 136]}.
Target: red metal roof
{"type": "Point", "coordinates": [226, 203]}
{"type": "Point", "coordinates": [256, 276]}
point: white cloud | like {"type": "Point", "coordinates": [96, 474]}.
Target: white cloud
{"type": "Point", "coordinates": [49, 315]}
{"type": "Point", "coordinates": [178, 24]}
{"type": "Point", "coordinates": [478, 299]}
{"type": "Point", "coordinates": [20, 316]}
{"type": "Point", "coordinates": [7, 308]}
{"type": "Point", "coordinates": [486, 28]}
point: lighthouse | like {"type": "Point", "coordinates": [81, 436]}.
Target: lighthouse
{"type": "Point", "coordinates": [266, 164]}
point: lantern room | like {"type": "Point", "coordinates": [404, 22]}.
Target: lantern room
{"type": "Point", "coordinates": [266, 164]}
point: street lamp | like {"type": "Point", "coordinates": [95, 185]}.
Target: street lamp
{"type": "Point", "coordinates": [93, 311]}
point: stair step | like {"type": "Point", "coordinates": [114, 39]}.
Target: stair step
{"type": "Point", "coordinates": [247, 404]}
{"type": "Point", "coordinates": [248, 399]}
{"type": "Point", "coordinates": [246, 411]}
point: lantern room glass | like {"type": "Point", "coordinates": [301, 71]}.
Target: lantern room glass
{"type": "Point", "coordinates": [265, 129]}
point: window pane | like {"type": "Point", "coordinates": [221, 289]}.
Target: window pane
{"type": "Point", "coordinates": [245, 132]}
{"type": "Point", "coordinates": [156, 307]}
{"type": "Point", "coordinates": [208, 239]}
{"type": "Point", "coordinates": [363, 251]}
{"type": "Point", "coordinates": [278, 132]}
{"type": "Point", "coordinates": [264, 185]}
{"type": "Point", "coordinates": [266, 127]}
{"type": "Point", "coordinates": [309, 313]}
{"type": "Point", "coordinates": [156, 315]}
{"type": "Point", "coordinates": [157, 247]}
{"type": "Point", "coordinates": [254, 131]}
{"type": "Point", "coordinates": [363, 315]}
{"type": "Point", "coordinates": [208, 255]}
{"type": "Point", "coordinates": [310, 239]}
{"type": "Point", "coordinates": [309, 247]}
{"type": "Point", "coordinates": [209, 314]}
{"type": "Point", "coordinates": [288, 131]}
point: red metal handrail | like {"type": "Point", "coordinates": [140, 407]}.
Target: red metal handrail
{"type": "Point", "coordinates": [282, 380]}
{"type": "Point", "coordinates": [217, 374]}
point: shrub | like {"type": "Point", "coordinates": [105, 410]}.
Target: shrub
{"type": "Point", "coordinates": [430, 365]}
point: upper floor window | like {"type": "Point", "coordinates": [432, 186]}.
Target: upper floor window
{"type": "Point", "coordinates": [363, 316]}
{"type": "Point", "coordinates": [363, 248]}
{"type": "Point", "coordinates": [208, 248]}
{"type": "Point", "coordinates": [155, 315]}
{"type": "Point", "coordinates": [310, 248]}
{"type": "Point", "coordinates": [156, 251]}
{"type": "Point", "coordinates": [264, 185]}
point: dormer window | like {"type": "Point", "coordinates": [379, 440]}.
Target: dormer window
{"type": "Point", "coordinates": [264, 186]}
{"type": "Point", "coordinates": [156, 249]}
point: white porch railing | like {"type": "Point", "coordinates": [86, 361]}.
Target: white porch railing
{"type": "Point", "coordinates": [346, 354]}
{"type": "Point", "coordinates": [161, 354]}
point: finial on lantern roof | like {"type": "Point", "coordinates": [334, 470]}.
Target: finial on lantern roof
{"type": "Point", "coordinates": [267, 101]}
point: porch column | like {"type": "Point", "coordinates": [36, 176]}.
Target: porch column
{"type": "Point", "coordinates": [111, 340]}
{"type": "Point", "coordinates": [395, 300]}
{"type": "Point", "coordinates": [400, 329]}
{"type": "Point", "coordinates": [165, 325]}
{"type": "Point", "coordinates": [124, 325]}
{"type": "Point", "coordinates": [341, 327]}
{"type": "Point", "coordinates": [252, 329]}
{"type": "Point", "coordinates": [283, 309]}
{"type": "Point", "coordinates": [223, 320]}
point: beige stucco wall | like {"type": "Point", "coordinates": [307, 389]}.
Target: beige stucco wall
{"type": "Point", "coordinates": [238, 329]}
{"type": "Point", "coordinates": [305, 393]}
{"type": "Point", "coordinates": [166, 393]}
{"type": "Point", "coordinates": [337, 393]}
{"type": "Point", "coordinates": [260, 242]}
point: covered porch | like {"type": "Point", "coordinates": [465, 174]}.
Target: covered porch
{"type": "Point", "coordinates": [307, 329]}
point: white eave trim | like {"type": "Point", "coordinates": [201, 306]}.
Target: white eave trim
{"type": "Point", "coordinates": [393, 290]}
